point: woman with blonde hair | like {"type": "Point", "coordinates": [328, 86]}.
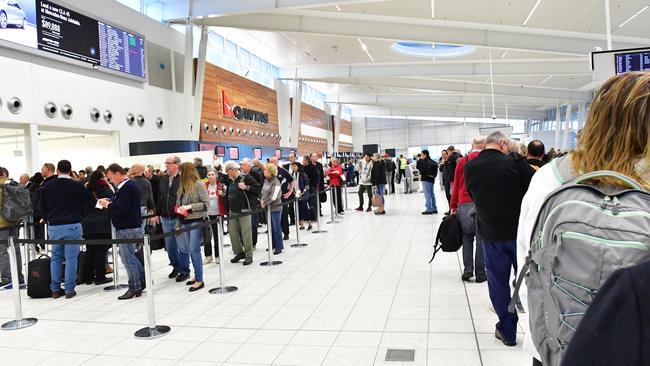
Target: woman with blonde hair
{"type": "Point", "coordinates": [616, 137]}
{"type": "Point", "coordinates": [192, 202]}
{"type": "Point", "coordinates": [272, 196]}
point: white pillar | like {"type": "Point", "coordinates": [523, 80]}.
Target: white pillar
{"type": "Point", "coordinates": [608, 25]}
{"type": "Point", "coordinates": [358, 133]}
{"type": "Point", "coordinates": [32, 149]}
{"type": "Point", "coordinates": [200, 82]}
{"type": "Point", "coordinates": [337, 126]}
{"type": "Point", "coordinates": [296, 112]}
{"type": "Point", "coordinates": [567, 124]}
{"type": "Point", "coordinates": [183, 127]}
{"type": "Point", "coordinates": [284, 114]}
{"type": "Point", "coordinates": [558, 123]}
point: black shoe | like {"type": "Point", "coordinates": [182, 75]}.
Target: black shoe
{"type": "Point", "coordinates": [480, 279]}
{"type": "Point", "coordinates": [57, 294]}
{"type": "Point", "coordinates": [435, 212]}
{"type": "Point", "coordinates": [248, 261]}
{"type": "Point", "coordinates": [369, 209]}
{"type": "Point", "coordinates": [359, 209]}
{"type": "Point", "coordinates": [182, 277]}
{"type": "Point", "coordinates": [70, 295]}
{"type": "Point", "coordinates": [447, 213]}
{"type": "Point", "coordinates": [129, 294]}
{"type": "Point", "coordinates": [190, 282]}
{"type": "Point", "coordinates": [103, 281]}
{"type": "Point", "coordinates": [238, 257]}
{"type": "Point", "coordinates": [499, 336]}
{"type": "Point", "coordinates": [202, 285]}
{"type": "Point", "coordinates": [427, 213]}
{"type": "Point", "coordinates": [173, 274]}
{"type": "Point", "coordinates": [467, 276]}
{"type": "Point", "coordinates": [277, 251]}
{"type": "Point", "coordinates": [285, 237]}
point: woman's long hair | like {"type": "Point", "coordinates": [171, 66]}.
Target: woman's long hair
{"type": "Point", "coordinates": [617, 132]}
{"type": "Point", "coordinates": [189, 177]}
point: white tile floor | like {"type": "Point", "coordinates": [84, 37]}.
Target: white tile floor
{"type": "Point", "coordinates": [363, 287]}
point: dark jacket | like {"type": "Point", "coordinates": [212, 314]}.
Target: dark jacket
{"type": "Point", "coordinates": [428, 169]}
{"type": "Point", "coordinates": [61, 201]}
{"type": "Point", "coordinates": [125, 207]}
{"type": "Point", "coordinates": [614, 331]}
{"type": "Point", "coordinates": [146, 192]}
{"type": "Point", "coordinates": [321, 176]}
{"type": "Point", "coordinates": [449, 169]}
{"type": "Point", "coordinates": [238, 199]}
{"type": "Point", "coordinates": [155, 189]}
{"type": "Point", "coordinates": [96, 221]}
{"type": "Point", "coordinates": [257, 174]}
{"type": "Point", "coordinates": [203, 171]}
{"type": "Point", "coordinates": [390, 165]}
{"type": "Point", "coordinates": [497, 184]}
{"type": "Point", "coordinates": [378, 172]}
{"type": "Point", "coordinates": [311, 171]}
{"type": "Point", "coordinates": [167, 196]}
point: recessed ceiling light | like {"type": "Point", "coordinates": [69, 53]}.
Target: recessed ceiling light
{"type": "Point", "coordinates": [634, 16]}
{"type": "Point", "coordinates": [338, 8]}
{"type": "Point", "coordinates": [531, 13]}
{"type": "Point", "coordinates": [429, 50]}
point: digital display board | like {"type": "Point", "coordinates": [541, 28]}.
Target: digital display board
{"type": "Point", "coordinates": [233, 153]}
{"type": "Point", "coordinates": [257, 153]}
{"type": "Point", "coordinates": [632, 61]}
{"type": "Point", "coordinates": [19, 22]}
{"type": "Point", "coordinates": [278, 153]}
{"type": "Point", "coordinates": [220, 151]}
{"type": "Point", "coordinates": [67, 33]}
{"type": "Point", "coordinates": [121, 51]}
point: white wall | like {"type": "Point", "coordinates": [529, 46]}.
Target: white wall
{"type": "Point", "coordinates": [358, 133]}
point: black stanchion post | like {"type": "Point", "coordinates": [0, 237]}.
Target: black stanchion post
{"type": "Point", "coordinates": [333, 210]}
{"type": "Point", "coordinates": [222, 289]}
{"type": "Point", "coordinates": [152, 331]}
{"type": "Point", "coordinates": [296, 209]}
{"type": "Point", "coordinates": [116, 286]}
{"type": "Point", "coordinates": [318, 229]}
{"type": "Point", "coordinates": [19, 322]}
{"type": "Point", "coordinates": [269, 226]}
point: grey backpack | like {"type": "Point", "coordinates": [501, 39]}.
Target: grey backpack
{"type": "Point", "coordinates": [16, 202]}
{"type": "Point", "coordinates": [583, 234]}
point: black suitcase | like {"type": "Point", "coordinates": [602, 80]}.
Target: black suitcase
{"type": "Point", "coordinates": [83, 275]}
{"type": "Point", "coordinates": [39, 278]}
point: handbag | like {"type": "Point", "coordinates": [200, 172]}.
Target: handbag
{"type": "Point", "coordinates": [376, 198]}
{"type": "Point", "coordinates": [323, 197]}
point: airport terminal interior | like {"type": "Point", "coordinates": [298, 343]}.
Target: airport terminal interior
{"type": "Point", "coordinates": [324, 182]}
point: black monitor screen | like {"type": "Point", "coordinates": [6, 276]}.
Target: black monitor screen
{"type": "Point", "coordinates": [67, 33]}
{"type": "Point", "coordinates": [632, 61]}
{"type": "Point", "coordinates": [121, 50]}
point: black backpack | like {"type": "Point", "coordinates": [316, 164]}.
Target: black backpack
{"type": "Point", "coordinates": [39, 277]}
{"type": "Point", "coordinates": [450, 236]}
{"type": "Point", "coordinates": [17, 203]}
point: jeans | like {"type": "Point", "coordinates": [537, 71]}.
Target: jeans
{"type": "Point", "coordinates": [134, 268]}
{"type": "Point", "coordinates": [189, 247]}
{"type": "Point", "coordinates": [241, 235]}
{"type": "Point", "coordinates": [171, 246]}
{"type": "Point", "coordinates": [276, 236]}
{"type": "Point", "coordinates": [467, 217]}
{"type": "Point", "coordinates": [429, 196]}
{"type": "Point", "coordinates": [143, 212]}
{"type": "Point", "coordinates": [368, 190]}
{"type": "Point", "coordinates": [380, 192]}
{"type": "Point", "coordinates": [500, 258]}
{"type": "Point", "coordinates": [5, 263]}
{"type": "Point", "coordinates": [70, 252]}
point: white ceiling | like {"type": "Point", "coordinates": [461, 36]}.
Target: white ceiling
{"type": "Point", "coordinates": [535, 66]}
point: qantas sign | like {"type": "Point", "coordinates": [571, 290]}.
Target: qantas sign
{"type": "Point", "coordinates": [237, 112]}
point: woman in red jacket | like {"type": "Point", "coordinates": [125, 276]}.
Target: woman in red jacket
{"type": "Point", "coordinates": [217, 207]}
{"type": "Point", "coordinates": [335, 173]}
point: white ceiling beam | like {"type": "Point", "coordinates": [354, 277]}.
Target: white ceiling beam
{"type": "Point", "coordinates": [401, 112]}
{"type": "Point", "coordinates": [464, 87]}
{"type": "Point", "coordinates": [525, 67]}
{"type": "Point", "coordinates": [424, 30]}
{"type": "Point", "coordinates": [430, 99]}
{"type": "Point", "coordinates": [500, 109]}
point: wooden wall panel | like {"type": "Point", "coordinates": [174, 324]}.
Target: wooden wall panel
{"type": "Point", "coordinates": [239, 91]}
{"type": "Point", "coordinates": [346, 127]}
{"type": "Point", "coordinates": [312, 116]}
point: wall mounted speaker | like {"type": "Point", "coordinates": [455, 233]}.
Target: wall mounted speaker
{"type": "Point", "coordinates": [1, 104]}
{"type": "Point", "coordinates": [206, 128]}
{"type": "Point", "coordinates": [140, 120]}
{"type": "Point", "coordinates": [130, 119]}
{"type": "Point", "coordinates": [223, 129]}
{"type": "Point", "coordinates": [159, 122]}
{"type": "Point", "coordinates": [108, 116]}
{"type": "Point", "coordinates": [232, 131]}
{"type": "Point", "coordinates": [66, 111]}
{"type": "Point", "coordinates": [15, 105]}
{"type": "Point", "coordinates": [50, 110]}
{"type": "Point", "coordinates": [94, 114]}
{"type": "Point", "coordinates": [238, 132]}
{"type": "Point", "coordinates": [215, 129]}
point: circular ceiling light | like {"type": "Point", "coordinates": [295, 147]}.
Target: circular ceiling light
{"type": "Point", "coordinates": [429, 50]}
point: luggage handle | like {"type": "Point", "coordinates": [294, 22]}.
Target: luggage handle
{"type": "Point", "coordinates": [631, 183]}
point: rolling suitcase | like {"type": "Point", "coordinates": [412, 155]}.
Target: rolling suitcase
{"type": "Point", "coordinates": [39, 278]}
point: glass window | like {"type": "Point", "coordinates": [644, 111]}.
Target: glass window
{"type": "Point", "coordinates": [215, 41]}
{"type": "Point", "coordinates": [244, 57]}
{"type": "Point", "coordinates": [133, 4]}
{"type": "Point", "coordinates": [266, 69]}
{"type": "Point", "coordinates": [255, 62]}
{"type": "Point", "coordinates": [231, 49]}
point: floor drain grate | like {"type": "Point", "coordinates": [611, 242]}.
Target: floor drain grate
{"type": "Point", "coordinates": [400, 355]}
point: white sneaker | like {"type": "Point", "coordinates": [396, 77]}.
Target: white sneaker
{"type": "Point", "coordinates": [208, 260]}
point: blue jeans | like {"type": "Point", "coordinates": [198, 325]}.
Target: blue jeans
{"type": "Point", "coordinates": [380, 192]}
{"type": "Point", "coordinates": [500, 258]}
{"type": "Point", "coordinates": [276, 228]}
{"type": "Point", "coordinates": [189, 247]}
{"type": "Point", "coordinates": [171, 246]}
{"type": "Point", "coordinates": [70, 252]}
{"type": "Point", "coordinates": [143, 211]}
{"type": "Point", "coordinates": [467, 217]}
{"type": "Point", "coordinates": [134, 269]}
{"type": "Point", "coordinates": [429, 196]}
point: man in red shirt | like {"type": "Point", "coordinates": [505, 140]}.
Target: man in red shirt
{"type": "Point", "coordinates": [463, 206]}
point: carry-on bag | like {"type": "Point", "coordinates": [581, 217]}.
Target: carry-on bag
{"type": "Point", "coordinates": [39, 278]}
{"type": "Point", "coordinates": [450, 236]}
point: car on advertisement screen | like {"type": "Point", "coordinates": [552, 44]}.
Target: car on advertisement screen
{"type": "Point", "coordinates": [11, 14]}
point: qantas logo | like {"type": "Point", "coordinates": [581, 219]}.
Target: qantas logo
{"type": "Point", "coordinates": [237, 112]}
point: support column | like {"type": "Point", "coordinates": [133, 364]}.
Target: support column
{"type": "Point", "coordinates": [608, 25]}
{"type": "Point", "coordinates": [32, 149]}
{"type": "Point", "coordinates": [184, 127]}
{"type": "Point", "coordinates": [558, 123]}
{"type": "Point", "coordinates": [200, 82]}
{"type": "Point", "coordinates": [337, 126]}
{"type": "Point", "coordinates": [358, 133]}
{"type": "Point", "coordinates": [295, 113]}
{"type": "Point", "coordinates": [567, 124]}
{"type": "Point", "coordinates": [284, 114]}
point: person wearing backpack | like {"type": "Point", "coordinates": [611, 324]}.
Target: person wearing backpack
{"type": "Point", "coordinates": [428, 172]}
{"type": "Point", "coordinates": [615, 139]}
{"type": "Point", "coordinates": [7, 229]}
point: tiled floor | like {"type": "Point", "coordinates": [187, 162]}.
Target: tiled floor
{"type": "Point", "coordinates": [363, 287]}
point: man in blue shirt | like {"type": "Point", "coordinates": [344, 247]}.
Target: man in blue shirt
{"type": "Point", "coordinates": [60, 205]}
{"type": "Point", "coordinates": [126, 216]}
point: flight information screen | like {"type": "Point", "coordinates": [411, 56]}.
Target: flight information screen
{"type": "Point", "coordinates": [121, 50]}
{"type": "Point", "coordinates": [632, 61]}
